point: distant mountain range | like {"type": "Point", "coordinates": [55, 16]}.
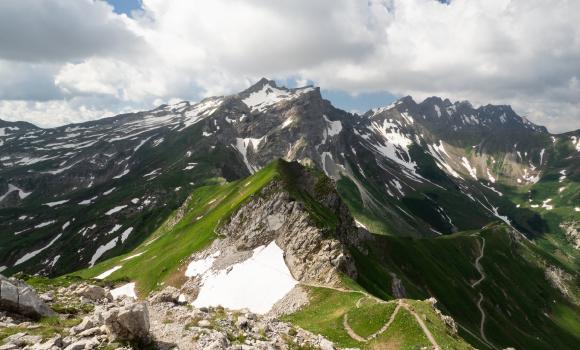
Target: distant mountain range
{"type": "Point", "coordinates": [74, 196]}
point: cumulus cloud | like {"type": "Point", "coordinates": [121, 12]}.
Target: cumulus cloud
{"type": "Point", "coordinates": [520, 52]}
{"type": "Point", "coordinates": [62, 30]}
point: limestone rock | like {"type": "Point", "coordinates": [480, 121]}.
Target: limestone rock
{"type": "Point", "coordinates": [93, 293]}
{"type": "Point", "coordinates": [128, 322]}
{"type": "Point", "coordinates": [167, 295]}
{"type": "Point", "coordinates": [18, 297]}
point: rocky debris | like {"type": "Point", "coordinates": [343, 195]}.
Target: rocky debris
{"type": "Point", "coordinates": [167, 295]}
{"type": "Point", "coordinates": [559, 279]}
{"type": "Point", "coordinates": [23, 339]}
{"type": "Point", "coordinates": [163, 321]}
{"type": "Point", "coordinates": [93, 293]}
{"type": "Point", "coordinates": [217, 328]}
{"type": "Point", "coordinates": [18, 297]}
{"type": "Point", "coordinates": [572, 231]}
{"type": "Point", "coordinates": [398, 288]}
{"type": "Point", "coordinates": [447, 320]}
{"type": "Point", "coordinates": [291, 302]}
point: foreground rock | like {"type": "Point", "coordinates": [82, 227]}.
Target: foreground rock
{"type": "Point", "coordinates": [128, 322]}
{"type": "Point", "coordinates": [163, 322]}
{"type": "Point", "coordinates": [20, 298]}
{"type": "Point", "coordinates": [174, 326]}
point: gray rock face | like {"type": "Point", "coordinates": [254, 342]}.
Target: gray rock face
{"type": "Point", "coordinates": [129, 322]}
{"type": "Point", "coordinates": [313, 254]}
{"type": "Point", "coordinates": [18, 297]}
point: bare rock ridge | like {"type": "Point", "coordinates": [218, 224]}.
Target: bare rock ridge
{"type": "Point", "coordinates": [303, 215]}
{"type": "Point", "coordinates": [313, 253]}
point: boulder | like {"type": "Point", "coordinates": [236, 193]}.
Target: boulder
{"type": "Point", "coordinates": [128, 322]}
{"type": "Point", "coordinates": [167, 295]}
{"type": "Point", "coordinates": [18, 297]}
{"type": "Point", "coordinates": [93, 293]}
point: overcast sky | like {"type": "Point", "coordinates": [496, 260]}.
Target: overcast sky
{"type": "Point", "coordinates": [65, 61]}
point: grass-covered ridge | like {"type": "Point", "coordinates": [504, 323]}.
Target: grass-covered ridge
{"type": "Point", "coordinates": [162, 257]}
{"type": "Point", "coordinates": [154, 261]}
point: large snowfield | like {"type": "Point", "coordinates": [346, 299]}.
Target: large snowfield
{"type": "Point", "coordinates": [255, 284]}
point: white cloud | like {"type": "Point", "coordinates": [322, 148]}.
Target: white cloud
{"type": "Point", "coordinates": [58, 30]}
{"type": "Point", "coordinates": [520, 52]}
{"type": "Point", "coordinates": [54, 113]}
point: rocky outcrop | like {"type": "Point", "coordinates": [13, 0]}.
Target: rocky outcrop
{"type": "Point", "coordinates": [572, 231]}
{"type": "Point", "coordinates": [18, 297]}
{"type": "Point", "coordinates": [176, 326]}
{"type": "Point", "coordinates": [314, 254]}
{"type": "Point", "coordinates": [560, 280]}
{"type": "Point", "coordinates": [447, 320]}
{"type": "Point", "coordinates": [162, 322]}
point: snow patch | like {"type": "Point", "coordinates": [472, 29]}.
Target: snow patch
{"type": "Point", "coordinates": [108, 192]}
{"type": "Point", "coordinates": [108, 272]}
{"type": "Point", "coordinates": [102, 250]}
{"type": "Point", "coordinates": [132, 256]}
{"type": "Point", "coordinates": [126, 234]}
{"type": "Point", "coordinates": [256, 284]}
{"type": "Point", "coordinates": [242, 147]}
{"type": "Point", "coordinates": [200, 267]}
{"type": "Point", "coordinates": [116, 209]}
{"type": "Point", "coordinates": [31, 255]}
{"type": "Point", "coordinates": [12, 188]}
{"type": "Point", "coordinates": [127, 290]}
{"type": "Point", "coordinates": [270, 95]}
{"type": "Point", "coordinates": [54, 204]}
{"type": "Point", "coordinates": [467, 165]}
{"type": "Point", "coordinates": [44, 224]}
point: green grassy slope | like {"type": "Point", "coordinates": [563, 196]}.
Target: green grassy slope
{"type": "Point", "coordinates": [327, 308]}
{"type": "Point", "coordinates": [522, 309]}
{"type": "Point", "coordinates": [162, 257]}
{"type": "Point", "coordinates": [169, 246]}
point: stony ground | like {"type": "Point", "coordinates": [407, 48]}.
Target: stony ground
{"type": "Point", "coordinates": [89, 318]}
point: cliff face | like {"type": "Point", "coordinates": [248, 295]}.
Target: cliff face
{"type": "Point", "coordinates": [313, 254]}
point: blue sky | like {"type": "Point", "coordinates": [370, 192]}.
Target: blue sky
{"type": "Point", "coordinates": [125, 6]}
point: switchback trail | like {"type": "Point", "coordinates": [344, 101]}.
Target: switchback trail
{"type": "Point", "coordinates": [400, 303]}
{"type": "Point", "coordinates": [479, 269]}
{"type": "Point", "coordinates": [357, 337]}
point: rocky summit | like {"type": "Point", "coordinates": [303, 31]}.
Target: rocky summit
{"type": "Point", "coordinates": [270, 219]}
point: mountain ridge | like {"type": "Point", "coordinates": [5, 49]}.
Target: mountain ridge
{"type": "Point", "coordinates": [381, 163]}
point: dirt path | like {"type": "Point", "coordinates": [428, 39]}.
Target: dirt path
{"type": "Point", "coordinates": [482, 323]}
{"type": "Point", "coordinates": [423, 326]}
{"type": "Point", "coordinates": [479, 269]}
{"type": "Point", "coordinates": [383, 329]}
{"type": "Point", "coordinates": [478, 266]}
{"type": "Point", "coordinates": [400, 303]}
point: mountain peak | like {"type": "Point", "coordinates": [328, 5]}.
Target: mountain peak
{"type": "Point", "coordinates": [259, 85]}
